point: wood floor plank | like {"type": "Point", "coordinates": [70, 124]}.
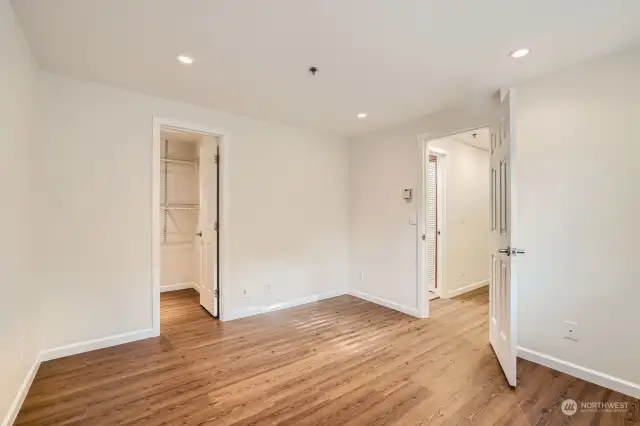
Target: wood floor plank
{"type": "Point", "coordinates": [342, 361]}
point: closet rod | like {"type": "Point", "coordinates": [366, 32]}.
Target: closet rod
{"type": "Point", "coordinates": [177, 160]}
{"type": "Point", "coordinates": [172, 206]}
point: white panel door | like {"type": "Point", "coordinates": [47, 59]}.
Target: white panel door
{"type": "Point", "coordinates": [502, 289]}
{"type": "Point", "coordinates": [208, 224]}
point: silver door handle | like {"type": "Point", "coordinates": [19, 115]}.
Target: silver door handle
{"type": "Point", "coordinates": [510, 251]}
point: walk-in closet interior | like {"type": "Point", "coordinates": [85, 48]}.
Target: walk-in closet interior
{"type": "Point", "coordinates": [179, 211]}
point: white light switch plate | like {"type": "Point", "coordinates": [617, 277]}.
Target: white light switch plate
{"type": "Point", "coordinates": [413, 218]}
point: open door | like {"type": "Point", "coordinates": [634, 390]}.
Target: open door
{"type": "Point", "coordinates": [208, 225]}
{"type": "Point", "coordinates": [502, 290]}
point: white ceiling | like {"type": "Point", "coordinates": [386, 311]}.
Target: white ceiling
{"type": "Point", "coordinates": [480, 138]}
{"type": "Point", "coordinates": [394, 60]}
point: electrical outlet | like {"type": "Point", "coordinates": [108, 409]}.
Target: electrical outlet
{"type": "Point", "coordinates": [245, 293]}
{"type": "Point", "coordinates": [267, 288]}
{"type": "Point", "coordinates": [571, 330]}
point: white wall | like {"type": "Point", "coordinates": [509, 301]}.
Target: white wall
{"type": "Point", "coordinates": [579, 179]}
{"type": "Point", "coordinates": [466, 252]}
{"type": "Point", "coordinates": [383, 245]}
{"type": "Point", "coordinates": [578, 176]}
{"type": "Point", "coordinates": [19, 296]}
{"type": "Point", "coordinates": [287, 205]}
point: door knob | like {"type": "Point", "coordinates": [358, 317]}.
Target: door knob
{"type": "Point", "coordinates": [515, 251]}
{"type": "Point", "coordinates": [510, 251]}
{"type": "Point", "coordinates": [199, 233]}
{"type": "Point", "coordinates": [424, 237]}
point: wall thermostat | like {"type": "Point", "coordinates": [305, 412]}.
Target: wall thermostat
{"type": "Point", "coordinates": [408, 195]}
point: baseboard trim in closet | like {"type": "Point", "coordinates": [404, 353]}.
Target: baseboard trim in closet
{"type": "Point", "coordinates": [178, 286]}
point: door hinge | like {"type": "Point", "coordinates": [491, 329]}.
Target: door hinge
{"type": "Point", "coordinates": [215, 293]}
{"type": "Point", "coordinates": [217, 158]}
{"type": "Point", "coordinates": [215, 226]}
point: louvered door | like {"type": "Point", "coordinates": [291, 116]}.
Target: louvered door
{"type": "Point", "coordinates": [432, 223]}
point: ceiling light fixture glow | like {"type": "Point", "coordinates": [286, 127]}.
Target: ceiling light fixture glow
{"type": "Point", "coordinates": [362, 115]}
{"type": "Point", "coordinates": [184, 59]}
{"type": "Point", "coordinates": [520, 53]}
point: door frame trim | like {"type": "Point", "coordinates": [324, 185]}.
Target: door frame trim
{"type": "Point", "coordinates": [422, 287]}
{"type": "Point", "coordinates": [223, 209]}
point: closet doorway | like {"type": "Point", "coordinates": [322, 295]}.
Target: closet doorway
{"type": "Point", "coordinates": [188, 216]}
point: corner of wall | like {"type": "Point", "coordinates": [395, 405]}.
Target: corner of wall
{"type": "Point", "coordinates": [14, 409]}
{"type": "Point", "coordinates": [20, 300]}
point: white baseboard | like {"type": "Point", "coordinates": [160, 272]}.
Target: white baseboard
{"type": "Point", "coordinates": [66, 350]}
{"type": "Point", "coordinates": [22, 394]}
{"type": "Point", "coordinates": [465, 289]}
{"type": "Point", "coordinates": [384, 302]}
{"type": "Point", "coordinates": [92, 345]}
{"type": "Point", "coordinates": [178, 286]}
{"type": "Point", "coordinates": [602, 379]}
{"type": "Point", "coordinates": [248, 312]}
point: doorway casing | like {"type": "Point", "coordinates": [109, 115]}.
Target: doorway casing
{"type": "Point", "coordinates": [223, 185]}
{"type": "Point", "coordinates": [422, 290]}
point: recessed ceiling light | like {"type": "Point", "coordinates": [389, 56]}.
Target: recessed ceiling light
{"type": "Point", "coordinates": [184, 59]}
{"type": "Point", "coordinates": [520, 53]}
{"type": "Point", "coordinates": [362, 115]}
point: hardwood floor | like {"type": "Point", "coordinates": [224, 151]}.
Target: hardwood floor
{"type": "Point", "coordinates": [342, 361]}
